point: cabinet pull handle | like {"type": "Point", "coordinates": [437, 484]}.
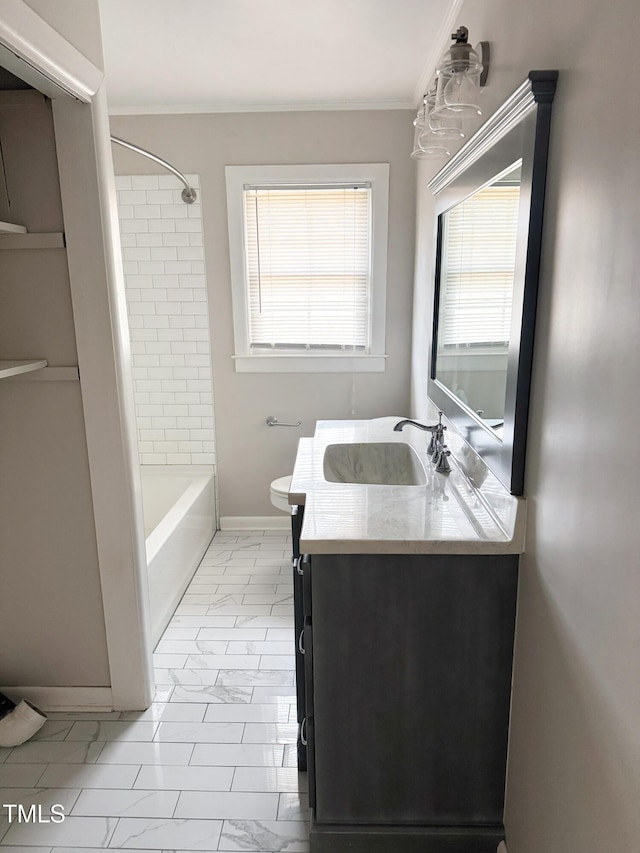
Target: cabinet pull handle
{"type": "Point", "coordinates": [303, 732]}
{"type": "Point", "coordinates": [299, 566]}
{"type": "Point", "coordinates": [301, 642]}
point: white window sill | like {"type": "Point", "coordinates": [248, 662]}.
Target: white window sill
{"type": "Point", "coordinates": [288, 363]}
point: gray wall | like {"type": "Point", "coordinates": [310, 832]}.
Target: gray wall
{"type": "Point", "coordinates": [574, 761]}
{"type": "Point", "coordinates": [250, 454]}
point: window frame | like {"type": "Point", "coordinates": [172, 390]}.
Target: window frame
{"type": "Point", "coordinates": [282, 361]}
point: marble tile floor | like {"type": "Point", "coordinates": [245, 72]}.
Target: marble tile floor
{"type": "Point", "coordinates": [212, 764]}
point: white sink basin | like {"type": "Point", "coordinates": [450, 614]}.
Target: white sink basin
{"type": "Point", "coordinates": [379, 463]}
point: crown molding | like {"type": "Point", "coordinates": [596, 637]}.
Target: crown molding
{"type": "Point", "coordinates": [274, 107]}
{"type": "Point", "coordinates": [436, 48]}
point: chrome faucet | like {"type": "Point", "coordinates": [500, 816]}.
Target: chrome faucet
{"type": "Point", "coordinates": [437, 449]}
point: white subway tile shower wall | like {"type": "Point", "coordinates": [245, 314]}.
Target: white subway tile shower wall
{"type": "Point", "coordinates": [163, 256]}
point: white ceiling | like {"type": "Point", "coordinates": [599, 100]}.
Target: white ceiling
{"type": "Point", "coordinates": [228, 55]}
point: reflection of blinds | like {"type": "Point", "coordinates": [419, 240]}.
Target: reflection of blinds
{"type": "Point", "coordinates": [479, 252]}
{"type": "Point", "coordinates": [307, 256]}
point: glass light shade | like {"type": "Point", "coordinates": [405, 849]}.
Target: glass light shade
{"type": "Point", "coordinates": [420, 119]}
{"type": "Point", "coordinates": [444, 123]}
{"type": "Point", "coordinates": [425, 144]}
{"type": "Point", "coordinates": [458, 90]}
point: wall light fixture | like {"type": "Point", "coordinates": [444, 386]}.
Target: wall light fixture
{"type": "Point", "coordinates": [453, 99]}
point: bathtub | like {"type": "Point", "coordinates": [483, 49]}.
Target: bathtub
{"type": "Point", "coordinates": [179, 520]}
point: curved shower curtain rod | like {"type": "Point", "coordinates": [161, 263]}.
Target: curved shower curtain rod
{"type": "Point", "coordinates": [188, 193]}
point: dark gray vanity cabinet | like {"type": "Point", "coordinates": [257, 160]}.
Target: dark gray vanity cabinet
{"type": "Point", "coordinates": [297, 514]}
{"type": "Point", "coordinates": [408, 679]}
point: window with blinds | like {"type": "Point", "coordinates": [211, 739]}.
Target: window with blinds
{"type": "Point", "coordinates": [308, 266]}
{"type": "Point", "coordinates": [478, 263]}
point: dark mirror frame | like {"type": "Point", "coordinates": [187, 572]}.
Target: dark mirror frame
{"type": "Point", "coordinates": [519, 130]}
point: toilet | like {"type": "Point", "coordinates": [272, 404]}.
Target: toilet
{"type": "Point", "coordinates": [280, 493]}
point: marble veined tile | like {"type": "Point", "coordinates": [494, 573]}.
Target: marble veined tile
{"type": "Point", "coordinates": [279, 694]}
{"type": "Point", "coordinates": [294, 807]}
{"type": "Point", "coordinates": [248, 677]}
{"type": "Point", "coordinates": [290, 757]}
{"type": "Point", "coordinates": [228, 804]}
{"type": "Point", "coordinates": [268, 713]}
{"type": "Point", "coordinates": [211, 598]}
{"type": "Point", "coordinates": [238, 609]}
{"type": "Point", "coordinates": [112, 731]}
{"type": "Point", "coordinates": [20, 775]}
{"type": "Point", "coordinates": [208, 577]}
{"type": "Point", "coordinates": [278, 661]}
{"type": "Point", "coordinates": [274, 579]}
{"type": "Point", "coordinates": [270, 733]}
{"type": "Point", "coordinates": [278, 598]}
{"type": "Point", "coordinates": [222, 694]}
{"type": "Point", "coordinates": [202, 621]}
{"type": "Point", "coordinates": [72, 832]}
{"type": "Point", "coordinates": [173, 834]}
{"type": "Point", "coordinates": [161, 660]}
{"type": "Point", "coordinates": [241, 589]}
{"type": "Point", "coordinates": [240, 661]}
{"type": "Point", "coordinates": [132, 803]}
{"type": "Point", "coordinates": [55, 752]}
{"type": "Point", "coordinates": [283, 836]}
{"type": "Point", "coordinates": [279, 635]}
{"type": "Point", "coordinates": [239, 755]}
{"type": "Point", "coordinates": [13, 849]}
{"type": "Point", "coordinates": [53, 730]}
{"type": "Point", "coordinates": [200, 732]}
{"type": "Point", "coordinates": [170, 711]}
{"type": "Point", "coordinates": [271, 567]}
{"type": "Point", "coordinates": [262, 648]}
{"type": "Point", "coordinates": [191, 677]}
{"type": "Point", "coordinates": [191, 610]}
{"type": "Point", "coordinates": [180, 633]}
{"type": "Point", "coordinates": [81, 850]}
{"type": "Point", "coordinates": [192, 647]}
{"type": "Point", "coordinates": [248, 621]}
{"type": "Point", "coordinates": [191, 778]}
{"type": "Point", "coordinates": [237, 634]}
{"type": "Point", "coordinates": [285, 779]}
{"type": "Point", "coordinates": [163, 693]}
{"type": "Point", "coordinates": [41, 796]}
{"type": "Point", "coordinates": [146, 753]}
{"type": "Point", "coordinates": [208, 589]}
{"type": "Point", "coordinates": [89, 776]}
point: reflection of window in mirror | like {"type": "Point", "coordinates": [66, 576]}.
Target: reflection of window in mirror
{"type": "Point", "coordinates": [479, 237]}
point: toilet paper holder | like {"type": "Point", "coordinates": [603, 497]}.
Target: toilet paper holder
{"type": "Point", "coordinates": [272, 421]}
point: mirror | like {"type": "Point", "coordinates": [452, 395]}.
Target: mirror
{"type": "Point", "coordinates": [477, 270]}
{"type": "Point", "coordinates": [489, 203]}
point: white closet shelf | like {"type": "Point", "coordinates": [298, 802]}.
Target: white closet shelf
{"type": "Point", "coordinates": [10, 228]}
{"type": "Point", "coordinates": [14, 368]}
{"type": "Point", "coordinates": [53, 240]}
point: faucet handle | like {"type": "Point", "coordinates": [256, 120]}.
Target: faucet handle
{"type": "Point", "coordinates": [441, 460]}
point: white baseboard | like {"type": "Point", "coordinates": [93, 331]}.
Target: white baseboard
{"type": "Point", "coordinates": [502, 847]}
{"type": "Point", "coordinates": [63, 698]}
{"type": "Point", "coordinates": [255, 522]}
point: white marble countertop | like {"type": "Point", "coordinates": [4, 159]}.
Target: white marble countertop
{"type": "Point", "coordinates": [448, 515]}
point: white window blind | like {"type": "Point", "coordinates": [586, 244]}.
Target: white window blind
{"type": "Point", "coordinates": [308, 266]}
{"type": "Point", "coordinates": [477, 272]}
